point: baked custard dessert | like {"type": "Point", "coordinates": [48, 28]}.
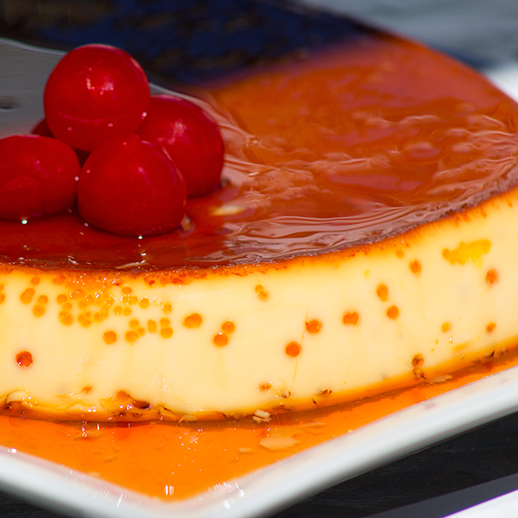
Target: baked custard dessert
{"type": "Point", "coordinates": [363, 237]}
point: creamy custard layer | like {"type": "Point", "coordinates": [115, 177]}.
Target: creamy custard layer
{"type": "Point", "coordinates": [313, 330]}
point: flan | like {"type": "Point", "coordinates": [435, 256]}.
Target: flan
{"type": "Point", "coordinates": [363, 238]}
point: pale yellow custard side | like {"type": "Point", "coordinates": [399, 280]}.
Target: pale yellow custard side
{"type": "Point", "coordinates": [234, 341]}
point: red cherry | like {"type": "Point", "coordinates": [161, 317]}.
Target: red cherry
{"type": "Point", "coordinates": [129, 187]}
{"type": "Point", "coordinates": [190, 137]}
{"type": "Point", "coordinates": [42, 129]}
{"type": "Point", "coordinates": [38, 175]}
{"type": "Point", "coordinates": [94, 93]}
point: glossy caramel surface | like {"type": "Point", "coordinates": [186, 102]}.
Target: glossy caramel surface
{"type": "Point", "coordinates": [325, 151]}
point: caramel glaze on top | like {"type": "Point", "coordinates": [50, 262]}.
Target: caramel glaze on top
{"type": "Point", "coordinates": [342, 147]}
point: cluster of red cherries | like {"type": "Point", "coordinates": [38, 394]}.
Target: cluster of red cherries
{"type": "Point", "coordinates": [145, 154]}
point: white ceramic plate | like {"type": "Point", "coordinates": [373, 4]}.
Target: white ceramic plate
{"type": "Point", "coordinates": [269, 489]}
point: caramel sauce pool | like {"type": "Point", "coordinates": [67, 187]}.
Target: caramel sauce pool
{"type": "Point", "coordinates": [176, 461]}
{"type": "Point", "coordinates": [325, 151]}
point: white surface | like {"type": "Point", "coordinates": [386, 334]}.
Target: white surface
{"type": "Point", "coordinates": [505, 506]}
{"type": "Point", "coordinates": [481, 30]}
{"type": "Point", "coordinates": [506, 78]}
{"type": "Point", "coordinates": [285, 482]}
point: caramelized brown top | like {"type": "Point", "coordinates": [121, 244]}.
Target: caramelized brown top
{"type": "Point", "coordinates": [346, 146]}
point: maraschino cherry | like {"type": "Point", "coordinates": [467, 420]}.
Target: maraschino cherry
{"type": "Point", "coordinates": [190, 137]}
{"type": "Point", "coordinates": [129, 187]}
{"type": "Point", "coordinates": [38, 176]}
{"type": "Point", "coordinates": [95, 92]}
